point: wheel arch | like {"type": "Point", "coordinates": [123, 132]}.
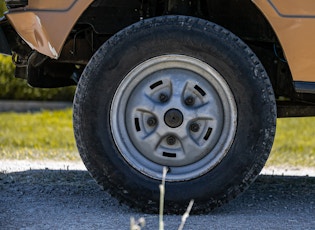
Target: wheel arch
{"type": "Point", "coordinates": [250, 24]}
{"type": "Point", "coordinates": [292, 22]}
{"type": "Point", "coordinates": [44, 25]}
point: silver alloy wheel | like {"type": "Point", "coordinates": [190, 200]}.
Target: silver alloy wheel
{"type": "Point", "coordinates": [174, 111]}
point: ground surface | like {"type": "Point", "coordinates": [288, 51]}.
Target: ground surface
{"type": "Point", "coordinates": [61, 195]}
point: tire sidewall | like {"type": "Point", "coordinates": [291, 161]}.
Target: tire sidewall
{"type": "Point", "coordinates": [196, 38]}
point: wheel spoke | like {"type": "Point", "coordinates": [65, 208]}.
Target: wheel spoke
{"type": "Point", "coordinates": [142, 102]}
{"type": "Point", "coordinates": [205, 112]}
{"type": "Point", "coordinates": [189, 146]}
{"type": "Point", "coordinates": [151, 142]}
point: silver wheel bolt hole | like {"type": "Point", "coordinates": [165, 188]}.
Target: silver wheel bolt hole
{"type": "Point", "coordinates": [194, 127]}
{"type": "Point", "coordinates": [152, 121]}
{"type": "Point", "coordinates": [163, 98]}
{"type": "Point", "coordinates": [189, 101]}
{"type": "Point", "coordinates": [171, 140]}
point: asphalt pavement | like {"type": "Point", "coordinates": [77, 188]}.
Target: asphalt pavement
{"type": "Point", "coordinates": [66, 197]}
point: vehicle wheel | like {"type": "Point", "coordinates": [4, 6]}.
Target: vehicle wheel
{"type": "Point", "coordinates": [180, 92]}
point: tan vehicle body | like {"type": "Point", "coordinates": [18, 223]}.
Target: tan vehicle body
{"type": "Point", "coordinates": [294, 23]}
{"type": "Point", "coordinates": [45, 25]}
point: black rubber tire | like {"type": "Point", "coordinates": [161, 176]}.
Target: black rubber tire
{"type": "Point", "coordinates": [206, 41]}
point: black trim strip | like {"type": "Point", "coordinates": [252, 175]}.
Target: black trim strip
{"type": "Point", "coordinates": [304, 87]}
{"type": "Point", "coordinates": [295, 109]}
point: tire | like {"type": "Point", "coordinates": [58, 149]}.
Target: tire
{"type": "Point", "coordinates": [180, 92]}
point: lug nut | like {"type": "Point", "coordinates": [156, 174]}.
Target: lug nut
{"type": "Point", "coordinates": [151, 121]}
{"type": "Point", "coordinates": [194, 127]}
{"type": "Point", "coordinates": [171, 140]}
{"type": "Point", "coordinates": [163, 97]}
{"type": "Point", "coordinates": [189, 101]}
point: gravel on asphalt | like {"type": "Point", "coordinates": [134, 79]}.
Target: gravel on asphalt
{"type": "Point", "coordinates": [62, 195]}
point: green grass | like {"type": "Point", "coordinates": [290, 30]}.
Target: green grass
{"type": "Point", "coordinates": [294, 143]}
{"type": "Point", "coordinates": [38, 136]}
{"type": "Point", "coordinates": [49, 135]}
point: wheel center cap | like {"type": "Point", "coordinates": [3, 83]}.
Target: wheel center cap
{"type": "Point", "coordinates": [173, 118]}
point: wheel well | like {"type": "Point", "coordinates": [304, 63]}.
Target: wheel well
{"type": "Point", "coordinates": [240, 17]}
{"type": "Point", "coordinates": [104, 18]}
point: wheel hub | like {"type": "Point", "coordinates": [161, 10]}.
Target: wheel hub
{"type": "Point", "coordinates": [173, 118]}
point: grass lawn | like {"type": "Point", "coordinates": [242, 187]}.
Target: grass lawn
{"type": "Point", "coordinates": [38, 136]}
{"type": "Point", "coordinates": [294, 143]}
{"type": "Point", "coordinates": [49, 135]}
